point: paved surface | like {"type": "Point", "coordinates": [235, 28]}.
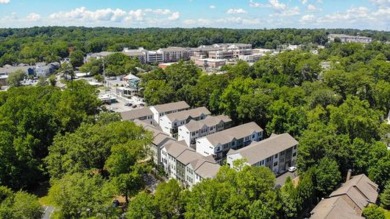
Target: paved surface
{"type": "Point", "coordinates": [48, 211]}
{"type": "Point", "coordinates": [281, 179]}
{"type": "Point", "coordinates": [151, 182]}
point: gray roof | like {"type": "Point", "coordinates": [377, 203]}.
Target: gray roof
{"type": "Point", "coordinates": [258, 151]}
{"type": "Point", "coordinates": [358, 191]}
{"type": "Point", "coordinates": [175, 148]}
{"type": "Point", "coordinates": [194, 125]}
{"type": "Point", "coordinates": [192, 113]}
{"type": "Point", "coordinates": [237, 132]}
{"type": "Point", "coordinates": [334, 208]}
{"type": "Point", "coordinates": [208, 169]}
{"type": "Point", "coordinates": [159, 137]}
{"type": "Point", "coordinates": [136, 114]}
{"type": "Point", "coordinates": [181, 105]}
{"type": "Point", "coordinates": [188, 156]}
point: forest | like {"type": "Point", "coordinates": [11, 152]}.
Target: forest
{"type": "Point", "coordinates": [90, 157]}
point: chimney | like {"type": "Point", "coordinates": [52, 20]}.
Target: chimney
{"type": "Point", "coordinates": [348, 175]}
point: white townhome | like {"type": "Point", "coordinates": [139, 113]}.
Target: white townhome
{"type": "Point", "coordinates": [169, 123]}
{"type": "Point", "coordinates": [187, 166]}
{"type": "Point", "coordinates": [164, 109]}
{"type": "Point", "coordinates": [196, 129]}
{"type": "Point", "coordinates": [219, 143]}
{"type": "Point", "coordinates": [278, 152]}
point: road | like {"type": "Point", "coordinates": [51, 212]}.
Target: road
{"type": "Point", "coordinates": [48, 211]}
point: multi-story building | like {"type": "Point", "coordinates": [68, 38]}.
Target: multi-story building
{"type": "Point", "coordinates": [168, 108]}
{"type": "Point", "coordinates": [349, 39]}
{"type": "Point", "coordinates": [196, 129]}
{"type": "Point", "coordinates": [185, 165]}
{"type": "Point", "coordinates": [139, 53]}
{"type": "Point", "coordinates": [219, 143]}
{"type": "Point", "coordinates": [278, 152]}
{"type": "Point", "coordinates": [154, 57]}
{"type": "Point", "coordinates": [144, 114]}
{"type": "Point", "coordinates": [224, 54]}
{"type": "Point", "coordinates": [174, 54]}
{"type": "Point", "coordinates": [169, 123]}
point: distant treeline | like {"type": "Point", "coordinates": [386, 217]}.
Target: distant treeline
{"type": "Point", "coordinates": [36, 44]}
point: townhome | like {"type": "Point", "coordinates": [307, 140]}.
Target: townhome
{"type": "Point", "coordinates": [196, 129]}
{"type": "Point", "coordinates": [144, 114]}
{"type": "Point", "coordinates": [169, 123]}
{"type": "Point", "coordinates": [158, 141]}
{"type": "Point", "coordinates": [218, 144]}
{"type": "Point", "coordinates": [174, 54]}
{"type": "Point", "coordinates": [164, 109]}
{"type": "Point", "coordinates": [278, 152]}
{"type": "Point", "coordinates": [349, 200]}
{"type": "Point", "coordinates": [187, 166]}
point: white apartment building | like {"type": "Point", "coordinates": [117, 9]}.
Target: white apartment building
{"type": "Point", "coordinates": [349, 39]}
{"type": "Point", "coordinates": [226, 54]}
{"type": "Point", "coordinates": [278, 152]}
{"type": "Point", "coordinates": [164, 109]}
{"type": "Point", "coordinates": [195, 129]}
{"type": "Point", "coordinates": [154, 56]}
{"type": "Point", "coordinates": [169, 123]}
{"type": "Point", "coordinates": [219, 143]}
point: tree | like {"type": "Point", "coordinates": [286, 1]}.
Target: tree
{"type": "Point", "coordinates": [373, 212]}
{"type": "Point", "coordinates": [82, 195]}
{"type": "Point", "coordinates": [385, 197]}
{"type": "Point", "coordinates": [14, 78]}
{"type": "Point", "coordinates": [168, 199]}
{"type": "Point", "coordinates": [19, 205]}
{"type": "Point", "coordinates": [288, 196]}
{"type": "Point", "coordinates": [326, 176]}
{"type": "Point", "coordinates": [76, 58]}
{"type": "Point", "coordinates": [142, 206]}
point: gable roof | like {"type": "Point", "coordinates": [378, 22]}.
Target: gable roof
{"type": "Point", "coordinates": [208, 169]}
{"type": "Point", "coordinates": [237, 132]}
{"type": "Point", "coordinates": [137, 113]}
{"type": "Point", "coordinates": [185, 114]}
{"type": "Point", "coordinates": [181, 105]}
{"type": "Point", "coordinates": [209, 121]}
{"type": "Point", "coordinates": [258, 151]}
{"type": "Point", "coordinates": [360, 190]}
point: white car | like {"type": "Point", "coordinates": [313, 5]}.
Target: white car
{"type": "Point", "coordinates": [292, 169]}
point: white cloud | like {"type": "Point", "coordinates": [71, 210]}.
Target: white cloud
{"type": "Point", "coordinates": [236, 11]}
{"type": "Point", "coordinates": [307, 18]}
{"type": "Point", "coordinates": [277, 5]}
{"type": "Point", "coordinates": [150, 16]}
{"type": "Point", "coordinates": [381, 3]}
{"type": "Point", "coordinates": [212, 6]}
{"type": "Point", "coordinates": [4, 1]}
{"type": "Point", "coordinates": [311, 7]}
{"type": "Point", "coordinates": [223, 22]}
{"type": "Point", "coordinates": [255, 4]}
{"type": "Point", "coordinates": [304, 1]}
{"type": "Point", "coordinates": [33, 17]}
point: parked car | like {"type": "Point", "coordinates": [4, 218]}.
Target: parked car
{"type": "Point", "coordinates": [134, 106]}
{"type": "Point", "coordinates": [141, 104]}
{"type": "Point", "coordinates": [292, 169]}
{"type": "Point", "coordinates": [128, 104]}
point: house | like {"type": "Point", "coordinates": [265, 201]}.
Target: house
{"type": "Point", "coordinates": [144, 114]}
{"type": "Point", "coordinates": [169, 123]}
{"type": "Point", "coordinates": [349, 200]}
{"type": "Point", "coordinates": [164, 109]}
{"type": "Point", "coordinates": [184, 164]}
{"type": "Point", "coordinates": [196, 129]}
{"type": "Point", "coordinates": [158, 141]}
{"type": "Point", "coordinates": [278, 152]}
{"type": "Point", "coordinates": [219, 143]}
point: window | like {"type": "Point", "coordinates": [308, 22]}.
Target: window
{"type": "Point", "coordinates": [294, 154]}
{"type": "Point", "coordinates": [295, 147]}
{"type": "Point", "coordinates": [275, 164]}
{"type": "Point", "coordinates": [276, 155]}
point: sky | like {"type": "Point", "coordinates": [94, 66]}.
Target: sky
{"type": "Point", "coordinates": [252, 14]}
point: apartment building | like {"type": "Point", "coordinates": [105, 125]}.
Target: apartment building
{"type": "Point", "coordinates": [139, 54]}
{"type": "Point", "coordinates": [164, 109]}
{"type": "Point", "coordinates": [169, 123]}
{"type": "Point", "coordinates": [225, 54]}
{"type": "Point", "coordinates": [174, 54]}
{"type": "Point", "coordinates": [219, 143]}
{"type": "Point", "coordinates": [349, 39]}
{"type": "Point", "coordinates": [144, 114]}
{"type": "Point", "coordinates": [196, 129]}
{"type": "Point", "coordinates": [278, 152]}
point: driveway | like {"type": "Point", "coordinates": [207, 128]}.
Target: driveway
{"type": "Point", "coordinates": [281, 179]}
{"type": "Point", "coordinates": [48, 211]}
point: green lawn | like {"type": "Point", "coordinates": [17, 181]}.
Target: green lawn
{"type": "Point", "coordinates": [387, 214]}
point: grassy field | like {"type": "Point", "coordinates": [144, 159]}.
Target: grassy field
{"type": "Point", "coordinates": [387, 214]}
